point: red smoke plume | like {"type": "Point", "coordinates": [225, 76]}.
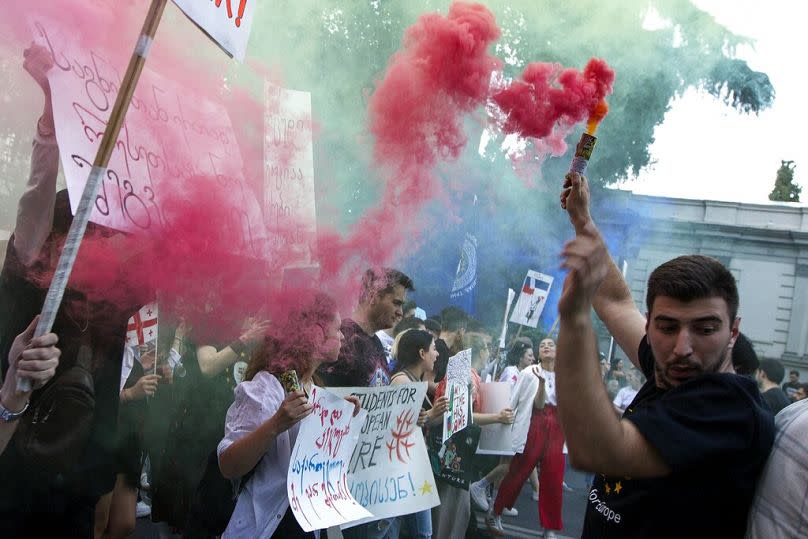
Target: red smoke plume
{"type": "Point", "coordinates": [548, 95]}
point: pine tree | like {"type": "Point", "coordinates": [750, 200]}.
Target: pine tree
{"type": "Point", "coordinates": [785, 190]}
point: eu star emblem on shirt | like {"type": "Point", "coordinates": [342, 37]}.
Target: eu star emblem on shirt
{"type": "Point", "coordinates": [618, 487]}
{"type": "Point", "coordinates": [426, 488]}
{"type": "Point", "coordinates": [608, 489]}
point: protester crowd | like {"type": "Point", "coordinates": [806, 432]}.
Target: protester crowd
{"type": "Point", "coordinates": [681, 431]}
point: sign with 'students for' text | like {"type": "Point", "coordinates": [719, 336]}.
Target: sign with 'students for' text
{"type": "Point", "coordinates": [390, 473]}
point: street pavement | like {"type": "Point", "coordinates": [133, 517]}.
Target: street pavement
{"type": "Point", "coordinates": [524, 525]}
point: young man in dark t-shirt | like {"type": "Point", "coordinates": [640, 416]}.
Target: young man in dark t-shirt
{"type": "Point", "coordinates": [684, 459]}
{"type": "Point", "coordinates": [769, 375]}
{"type": "Point", "coordinates": [362, 361]}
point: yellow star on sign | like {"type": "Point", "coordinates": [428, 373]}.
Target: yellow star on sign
{"type": "Point", "coordinates": [608, 489]}
{"type": "Point", "coordinates": [618, 487]}
{"type": "Point", "coordinates": [426, 488]}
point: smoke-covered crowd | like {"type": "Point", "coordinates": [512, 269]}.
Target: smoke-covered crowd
{"type": "Point", "coordinates": [680, 441]}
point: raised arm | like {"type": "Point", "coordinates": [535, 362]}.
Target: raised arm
{"type": "Point", "coordinates": [212, 361]}
{"type": "Point", "coordinates": [612, 301]}
{"type": "Point", "coordinates": [598, 441]}
{"type": "Point", "coordinates": [35, 208]}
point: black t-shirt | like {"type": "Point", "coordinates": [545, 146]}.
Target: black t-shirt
{"type": "Point", "coordinates": [715, 433]}
{"type": "Point", "coordinates": [776, 399]}
{"type": "Point", "coordinates": [362, 360]}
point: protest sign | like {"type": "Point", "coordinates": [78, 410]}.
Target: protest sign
{"type": "Point", "coordinates": [289, 173]}
{"type": "Point", "coordinates": [532, 298]}
{"type": "Point", "coordinates": [458, 378]}
{"type": "Point", "coordinates": [169, 135]}
{"type": "Point", "coordinates": [227, 22]}
{"type": "Point", "coordinates": [389, 473]}
{"type": "Point", "coordinates": [495, 439]}
{"type": "Point", "coordinates": [317, 481]}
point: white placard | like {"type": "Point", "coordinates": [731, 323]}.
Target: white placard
{"type": "Point", "coordinates": [169, 136]}
{"type": "Point", "coordinates": [227, 22]}
{"type": "Point", "coordinates": [390, 474]}
{"type": "Point", "coordinates": [317, 481]}
{"type": "Point", "coordinates": [458, 378]}
{"type": "Point", "coordinates": [532, 298]}
{"type": "Point", "coordinates": [495, 439]}
{"type": "Point", "coordinates": [289, 174]}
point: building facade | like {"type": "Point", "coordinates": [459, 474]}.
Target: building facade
{"type": "Point", "coordinates": [764, 245]}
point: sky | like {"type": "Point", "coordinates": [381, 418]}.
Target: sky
{"type": "Point", "coordinates": [706, 150]}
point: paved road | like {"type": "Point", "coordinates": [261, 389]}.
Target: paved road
{"type": "Point", "coordinates": [522, 526]}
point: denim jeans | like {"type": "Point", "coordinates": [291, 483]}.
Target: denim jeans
{"type": "Point", "coordinates": [419, 525]}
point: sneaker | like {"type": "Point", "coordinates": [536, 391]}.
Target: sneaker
{"type": "Point", "coordinates": [478, 495]}
{"type": "Point", "coordinates": [510, 512]}
{"type": "Point", "coordinates": [142, 510]}
{"type": "Point", "coordinates": [494, 524]}
{"type": "Point", "coordinates": [535, 496]}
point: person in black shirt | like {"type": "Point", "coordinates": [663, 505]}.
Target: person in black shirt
{"type": "Point", "coordinates": [684, 459]}
{"type": "Point", "coordinates": [362, 360]}
{"type": "Point", "coordinates": [769, 376]}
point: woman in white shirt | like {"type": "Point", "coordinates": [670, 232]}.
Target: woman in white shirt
{"type": "Point", "coordinates": [263, 421]}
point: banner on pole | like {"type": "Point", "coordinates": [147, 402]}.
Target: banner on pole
{"type": "Point", "coordinates": [317, 481]}
{"type": "Point", "coordinates": [532, 299]}
{"type": "Point", "coordinates": [227, 22]}
{"type": "Point", "coordinates": [169, 136]}
{"type": "Point", "coordinates": [289, 174]}
{"type": "Point", "coordinates": [389, 472]}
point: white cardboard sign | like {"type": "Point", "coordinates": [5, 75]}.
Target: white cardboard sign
{"type": "Point", "coordinates": [289, 174]}
{"type": "Point", "coordinates": [169, 136]}
{"type": "Point", "coordinates": [532, 298]}
{"type": "Point", "coordinates": [227, 22]}
{"type": "Point", "coordinates": [317, 481]}
{"type": "Point", "coordinates": [389, 473]}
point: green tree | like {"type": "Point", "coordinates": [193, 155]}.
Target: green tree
{"type": "Point", "coordinates": [785, 190]}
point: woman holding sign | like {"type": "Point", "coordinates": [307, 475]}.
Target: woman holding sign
{"type": "Point", "coordinates": [544, 447]}
{"type": "Point", "coordinates": [262, 424]}
{"type": "Point", "coordinates": [415, 354]}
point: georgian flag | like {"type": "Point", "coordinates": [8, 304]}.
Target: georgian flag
{"type": "Point", "coordinates": [142, 327]}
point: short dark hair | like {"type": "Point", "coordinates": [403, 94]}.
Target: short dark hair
{"type": "Point", "coordinates": [377, 283]}
{"type": "Point", "coordinates": [408, 346]}
{"type": "Point", "coordinates": [774, 370]}
{"type": "Point", "coordinates": [432, 325]}
{"type": "Point", "coordinates": [407, 323]}
{"type": "Point", "coordinates": [796, 373]}
{"type": "Point", "coordinates": [692, 277]}
{"type": "Point", "coordinates": [516, 352]}
{"type": "Point", "coordinates": [744, 358]}
{"type": "Point", "coordinates": [453, 319]}
{"type": "Point", "coordinates": [409, 306]}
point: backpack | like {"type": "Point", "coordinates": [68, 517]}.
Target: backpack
{"type": "Point", "coordinates": [53, 434]}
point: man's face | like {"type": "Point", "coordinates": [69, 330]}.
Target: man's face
{"type": "Point", "coordinates": [385, 308]}
{"type": "Point", "coordinates": [793, 377]}
{"type": "Point", "coordinates": [689, 339]}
